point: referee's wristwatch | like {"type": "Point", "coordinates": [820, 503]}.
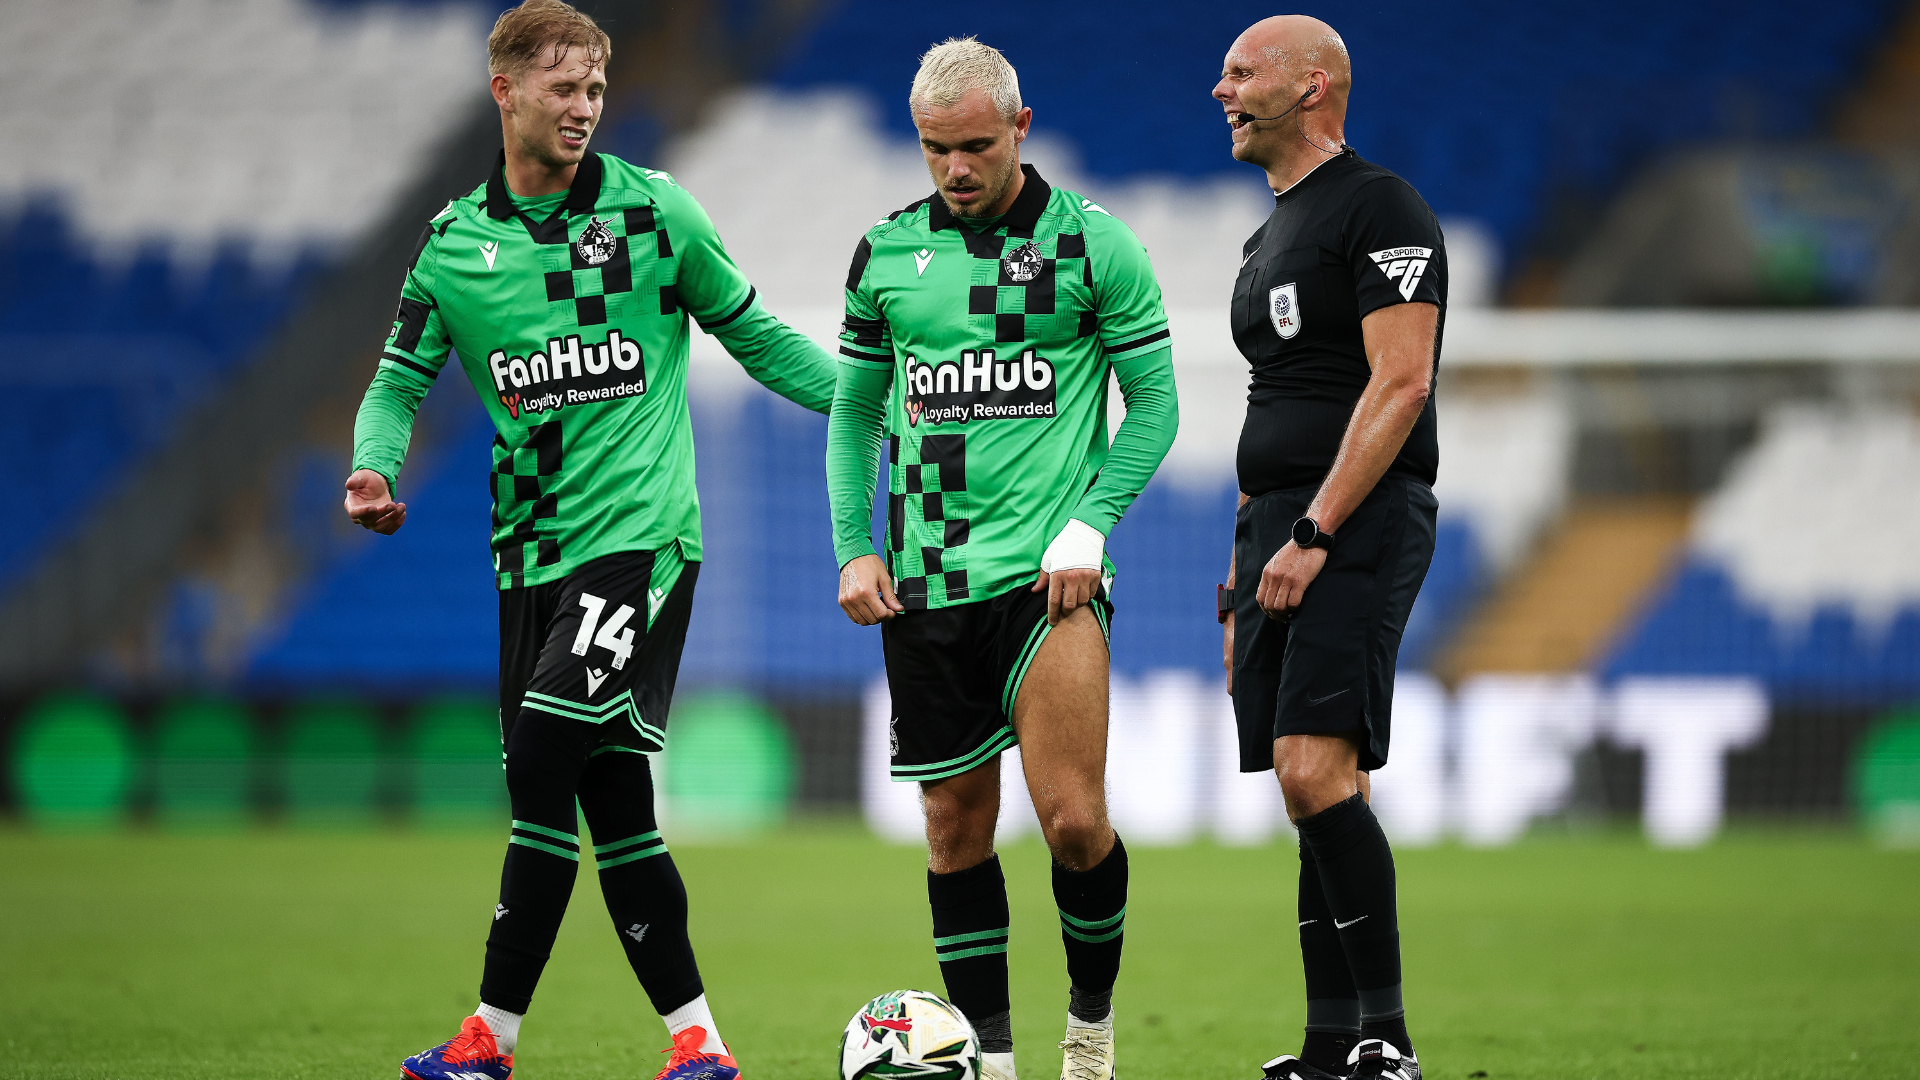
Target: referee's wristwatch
{"type": "Point", "coordinates": [1308, 534]}
{"type": "Point", "coordinates": [1223, 596]}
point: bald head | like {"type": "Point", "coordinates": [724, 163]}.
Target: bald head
{"type": "Point", "coordinates": [1298, 44]}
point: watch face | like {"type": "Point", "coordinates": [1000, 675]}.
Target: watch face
{"type": "Point", "coordinates": [1304, 530]}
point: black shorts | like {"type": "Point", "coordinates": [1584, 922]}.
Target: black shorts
{"type": "Point", "coordinates": [955, 673]}
{"type": "Point", "coordinates": [617, 671]}
{"type": "Point", "coordinates": [1328, 669]}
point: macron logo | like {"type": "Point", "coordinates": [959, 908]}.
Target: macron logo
{"type": "Point", "coordinates": [1406, 264]}
{"type": "Point", "coordinates": [594, 679]}
{"type": "Point", "coordinates": [489, 250]}
{"type": "Point", "coordinates": [498, 911]}
{"type": "Point", "coordinates": [1089, 204]}
{"type": "Point", "coordinates": [921, 258]}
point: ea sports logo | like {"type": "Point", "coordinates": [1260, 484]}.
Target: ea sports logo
{"type": "Point", "coordinates": [597, 243]}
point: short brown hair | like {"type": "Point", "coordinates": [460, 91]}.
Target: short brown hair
{"type": "Point", "coordinates": [524, 35]}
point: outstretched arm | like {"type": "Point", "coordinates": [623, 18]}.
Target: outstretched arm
{"type": "Point", "coordinates": [717, 295]}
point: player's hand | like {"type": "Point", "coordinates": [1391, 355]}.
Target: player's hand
{"type": "Point", "coordinates": [1284, 580]}
{"type": "Point", "coordinates": [371, 505]}
{"type": "Point", "coordinates": [1067, 590]}
{"type": "Point", "coordinates": [866, 591]}
{"type": "Point", "coordinates": [1226, 650]}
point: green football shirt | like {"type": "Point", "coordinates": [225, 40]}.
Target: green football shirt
{"type": "Point", "coordinates": [570, 316]}
{"type": "Point", "coordinates": [997, 342]}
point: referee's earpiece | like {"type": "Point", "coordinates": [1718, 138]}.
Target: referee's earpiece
{"type": "Point", "coordinates": [1311, 90]}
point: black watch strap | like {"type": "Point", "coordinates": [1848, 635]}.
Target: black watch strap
{"type": "Point", "coordinates": [1223, 598]}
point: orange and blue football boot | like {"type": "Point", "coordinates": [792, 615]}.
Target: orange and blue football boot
{"type": "Point", "coordinates": [471, 1055]}
{"type": "Point", "coordinates": [689, 1063]}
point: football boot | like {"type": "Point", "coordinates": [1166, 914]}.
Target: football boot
{"type": "Point", "coordinates": [1378, 1059]}
{"type": "Point", "coordinates": [689, 1062]}
{"type": "Point", "coordinates": [1089, 1051]}
{"type": "Point", "coordinates": [471, 1055]}
{"type": "Point", "coordinates": [1288, 1067]}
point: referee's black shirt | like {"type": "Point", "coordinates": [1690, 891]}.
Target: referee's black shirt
{"type": "Point", "coordinates": [1348, 239]}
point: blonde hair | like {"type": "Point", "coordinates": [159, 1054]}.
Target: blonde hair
{"type": "Point", "coordinates": [956, 66]}
{"type": "Point", "coordinates": [526, 34]}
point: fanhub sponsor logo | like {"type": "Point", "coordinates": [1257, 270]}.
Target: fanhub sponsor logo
{"type": "Point", "coordinates": [569, 372]}
{"type": "Point", "coordinates": [979, 386]}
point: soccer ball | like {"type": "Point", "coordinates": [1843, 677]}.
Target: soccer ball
{"type": "Point", "coordinates": [909, 1033]}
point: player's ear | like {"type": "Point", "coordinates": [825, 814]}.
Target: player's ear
{"type": "Point", "coordinates": [1022, 120]}
{"type": "Point", "coordinates": [502, 88]}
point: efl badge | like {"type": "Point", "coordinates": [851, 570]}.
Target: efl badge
{"type": "Point", "coordinates": [596, 244]}
{"type": "Point", "coordinates": [1023, 263]}
{"type": "Point", "coordinates": [1283, 307]}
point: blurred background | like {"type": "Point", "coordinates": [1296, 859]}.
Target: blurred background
{"type": "Point", "coordinates": [1678, 575]}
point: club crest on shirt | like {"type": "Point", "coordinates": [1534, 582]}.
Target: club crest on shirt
{"type": "Point", "coordinates": [1283, 307]}
{"type": "Point", "coordinates": [1023, 263]}
{"type": "Point", "coordinates": [596, 244]}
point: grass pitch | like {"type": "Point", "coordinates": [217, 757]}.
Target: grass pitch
{"type": "Point", "coordinates": [281, 954]}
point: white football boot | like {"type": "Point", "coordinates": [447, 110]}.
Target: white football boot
{"type": "Point", "coordinates": [1089, 1050]}
{"type": "Point", "coordinates": [997, 1067]}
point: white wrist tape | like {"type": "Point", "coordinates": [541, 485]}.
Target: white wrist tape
{"type": "Point", "coordinates": [1078, 547]}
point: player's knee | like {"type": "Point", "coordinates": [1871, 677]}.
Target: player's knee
{"type": "Point", "coordinates": [1306, 788]}
{"type": "Point", "coordinates": [1073, 832]}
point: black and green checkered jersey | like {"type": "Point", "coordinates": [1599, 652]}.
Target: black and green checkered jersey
{"type": "Point", "coordinates": [570, 315]}
{"type": "Point", "coordinates": [996, 343]}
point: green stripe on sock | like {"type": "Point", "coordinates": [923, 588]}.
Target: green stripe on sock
{"type": "Point", "coordinates": [955, 939]}
{"type": "Point", "coordinates": [632, 856]}
{"type": "Point", "coordinates": [548, 848]}
{"type": "Point", "coordinates": [984, 950]}
{"type": "Point", "coordinates": [540, 830]}
{"type": "Point", "coordinates": [601, 849]}
{"type": "Point", "coordinates": [1101, 925]}
{"type": "Point", "coordinates": [1093, 939]}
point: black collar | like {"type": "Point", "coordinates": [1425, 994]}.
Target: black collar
{"type": "Point", "coordinates": [582, 194]}
{"type": "Point", "coordinates": [1019, 219]}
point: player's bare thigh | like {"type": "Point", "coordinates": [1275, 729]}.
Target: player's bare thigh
{"type": "Point", "coordinates": [1061, 718]}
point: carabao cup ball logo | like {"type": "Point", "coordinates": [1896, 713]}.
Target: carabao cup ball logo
{"type": "Point", "coordinates": [1023, 263]}
{"type": "Point", "coordinates": [596, 243]}
{"type": "Point", "coordinates": [909, 1035]}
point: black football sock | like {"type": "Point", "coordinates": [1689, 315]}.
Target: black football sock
{"type": "Point", "coordinates": [1093, 923]}
{"type": "Point", "coordinates": [970, 923]}
{"type": "Point", "coordinates": [544, 760]}
{"type": "Point", "coordinates": [1356, 873]}
{"type": "Point", "coordinates": [638, 879]}
{"type": "Point", "coordinates": [1333, 1007]}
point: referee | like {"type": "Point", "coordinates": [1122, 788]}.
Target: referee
{"type": "Point", "coordinates": [1338, 308]}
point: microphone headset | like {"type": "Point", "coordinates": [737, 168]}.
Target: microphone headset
{"type": "Point", "coordinates": [1248, 118]}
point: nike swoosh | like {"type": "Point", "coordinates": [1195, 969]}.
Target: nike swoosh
{"type": "Point", "coordinates": [1312, 701]}
{"type": "Point", "coordinates": [1343, 925]}
{"type": "Point", "coordinates": [1250, 255]}
{"type": "Point", "coordinates": [1309, 922]}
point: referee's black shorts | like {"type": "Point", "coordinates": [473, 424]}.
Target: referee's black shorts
{"type": "Point", "coordinates": [1329, 669]}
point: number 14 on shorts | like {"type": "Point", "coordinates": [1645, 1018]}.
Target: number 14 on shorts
{"type": "Point", "coordinates": [613, 635]}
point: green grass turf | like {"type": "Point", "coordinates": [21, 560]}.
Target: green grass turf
{"type": "Point", "coordinates": [281, 954]}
